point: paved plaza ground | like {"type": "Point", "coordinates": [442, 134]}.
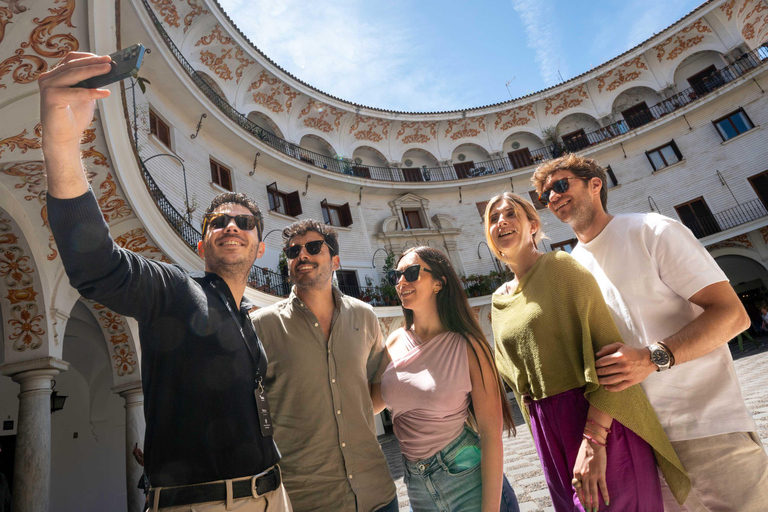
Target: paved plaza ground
{"type": "Point", "coordinates": [521, 463]}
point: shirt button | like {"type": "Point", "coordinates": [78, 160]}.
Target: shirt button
{"type": "Point", "coordinates": [333, 380]}
{"type": "Point", "coordinates": [329, 351]}
{"type": "Point", "coordinates": [350, 477]}
{"type": "Point", "coordinates": [343, 445]}
{"type": "Point", "coordinates": [338, 411]}
{"type": "Point", "coordinates": [316, 324]}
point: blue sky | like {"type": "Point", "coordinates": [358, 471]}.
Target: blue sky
{"type": "Point", "coordinates": [431, 55]}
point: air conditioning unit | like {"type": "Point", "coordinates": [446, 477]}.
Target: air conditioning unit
{"type": "Point", "coordinates": [462, 157]}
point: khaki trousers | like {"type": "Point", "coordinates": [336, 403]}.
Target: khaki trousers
{"type": "Point", "coordinates": [273, 501]}
{"type": "Point", "coordinates": [729, 472]}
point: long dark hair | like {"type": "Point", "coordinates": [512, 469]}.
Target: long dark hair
{"type": "Point", "coordinates": [456, 315]}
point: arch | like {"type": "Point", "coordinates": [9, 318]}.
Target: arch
{"type": "Point", "coordinates": [263, 121]}
{"type": "Point", "coordinates": [472, 151]}
{"type": "Point", "coordinates": [419, 157]}
{"type": "Point", "coordinates": [317, 144]}
{"type": "Point", "coordinates": [632, 96]}
{"type": "Point", "coordinates": [524, 138]}
{"type": "Point", "coordinates": [213, 83]}
{"type": "Point", "coordinates": [369, 156]}
{"type": "Point", "coordinates": [694, 61]}
{"type": "Point", "coordinates": [27, 328]}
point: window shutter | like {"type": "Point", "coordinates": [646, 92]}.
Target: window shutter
{"type": "Point", "coordinates": [346, 215]}
{"type": "Point", "coordinates": [215, 172]}
{"type": "Point", "coordinates": [163, 133]}
{"type": "Point", "coordinates": [676, 150]}
{"type": "Point", "coordinates": [481, 207]}
{"type": "Point", "coordinates": [226, 179]}
{"type": "Point", "coordinates": [293, 204]}
{"type": "Point", "coordinates": [326, 214]}
{"type": "Point", "coordinates": [152, 123]}
{"type": "Point", "coordinates": [274, 196]}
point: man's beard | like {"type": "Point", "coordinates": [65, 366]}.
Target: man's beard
{"type": "Point", "coordinates": [582, 216]}
{"type": "Point", "coordinates": [309, 282]}
{"type": "Point", "coordinates": [236, 269]}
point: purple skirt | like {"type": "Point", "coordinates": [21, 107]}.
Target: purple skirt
{"type": "Point", "coordinates": [557, 424]}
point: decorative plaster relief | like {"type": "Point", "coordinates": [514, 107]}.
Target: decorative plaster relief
{"type": "Point", "coordinates": [191, 15]}
{"type": "Point", "coordinates": [565, 100]}
{"type": "Point", "coordinates": [751, 29]}
{"type": "Point", "coordinates": [466, 130]}
{"type": "Point", "coordinates": [624, 73]}
{"type": "Point", "coordinates": [114, 328]}
{"type": "Point", "coordinates": [518, 116]}
{"type": "Point", "coordinates": [217, 64]}
{"type": "Point", "coordinates": [26, 68]}
{"type": "Point", "coordinates": [25, 323]}
{"type": "Point", "coordinates": [215, 35]}
{"type": "Point", "coordinates": [673, 46]}
{"type": "Point", "coordinates": [318, 115]}
{"type": "Point", "coordinates": [273, 93]}
{"type": "Point", "coordinates": [727, 8]}
{"type": "Point", "coordinates": [112, 206]}
{"type": "Point", "coordinates": [137, 240]}
{"type": "Point", "coordinates": [740, 241]}
{"type": "Point", "coordinates": [412, 132]}
{"type": "Point", "coordinates": [21, 142]}
{"type": "Point", "coordinates": [167, 10]}
{"type": "Point", "coordinates": [376, 129]}
{"type": "Point", "coordinates": [764, 232]}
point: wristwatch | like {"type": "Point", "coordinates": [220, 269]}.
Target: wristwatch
{"type": "Point", "coordinates": [661, 356]}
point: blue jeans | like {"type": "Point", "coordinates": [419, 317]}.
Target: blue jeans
{"type": "Point", "coordinates": [450, 480]}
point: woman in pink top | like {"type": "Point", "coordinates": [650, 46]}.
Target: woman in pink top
{"type": "Point", "coordinates": [443, 374]}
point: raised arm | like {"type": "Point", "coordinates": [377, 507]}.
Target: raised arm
{"type": "Point", "coordinates": [65, 113]}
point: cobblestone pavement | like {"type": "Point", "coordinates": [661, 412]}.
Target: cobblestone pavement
{"type": "Point", "coordinates": [521, 463]}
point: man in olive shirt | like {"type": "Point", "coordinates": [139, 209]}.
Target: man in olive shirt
{"type": "Point", "coordinates": [324, 350]}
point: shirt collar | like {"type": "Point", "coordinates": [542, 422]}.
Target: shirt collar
{"type": "Point", "coordinates": [293, 298]}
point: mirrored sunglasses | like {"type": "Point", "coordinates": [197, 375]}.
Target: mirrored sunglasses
{"type": "Point", "coordinates": [560, 186]}
{"type": "Point", "coordinates": [222, 220]}
{"type": "Point", "coordinates": [314, 247]}
{"type": "Point", "coordinates": [411, 274]}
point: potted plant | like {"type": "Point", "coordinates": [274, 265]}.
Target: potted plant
{"type": "Point", "coordinates": [552, 139]}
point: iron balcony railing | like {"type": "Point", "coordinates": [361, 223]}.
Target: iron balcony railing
{"type": "Point", "coordinates": [260, 278]}
{"type": "Point", "coordinates": [706, 225]}
{"type": "Point", "coordinates": [449, 173]}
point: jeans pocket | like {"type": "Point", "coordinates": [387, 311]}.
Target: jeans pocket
{"type": "Point", "coordinates": [463, 461]}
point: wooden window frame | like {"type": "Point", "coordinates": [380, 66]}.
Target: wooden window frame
{"type": "Point", "coordinates": [631, 117]}
{"type": "Point", "coordinates": [481, 206]}
{"type": "Point", "coordinates": [286, 203]}
{"type": "Point", "coordinates": [705, 229]}
{"type": "Point", "coordinates": [221, 175]}
{"type": "Point", "coordinates": [728, 118]}
{"type": "Point", "coordinates": [462, 169]}
{"type": "Point", "coordinates": [559, 246]}
{"type": "Point", "coordinates": [520, 158]}
{"type": "Point", "coordinates": [343, 212]}
{"type": "Point", "coordinates": [612, 177]}
{"type": "Point", "coordinates": [159, 129]}
{"type": "Point", "coordinates": [406, 221]}
{"type": "Point", "coordinates": [751, 179]}
{"type": "Point", "coordinates": [576, 135]}
{"type": "Point", "coordinates": [674, 147]}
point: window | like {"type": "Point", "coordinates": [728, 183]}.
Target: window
{"type": "Point", "coordinates": [412, 174]}
{"type": "Point", "coordinates": [221, 176]}
{"type": "Point", "coordinates": [159, 129]}
{"type": "Point", "coordinates": [760, 185]}
{"type": "Point", "coordinates": [335, 214]}
{"type": "Point", "coordinates": [481, 208]}
{"type": "Point", "coordinates": [664, 156]}
{"type": "Point", "coordinates": [464, 169]}
{"type": "Point", "coordinates": [733, 124]}
{"type": "Point", "coordinates": [412, 219]}
{"type": "Point", "coordinates": [348, 284]}
{"type": "Point", "coordinates": [637, 115]}
{"type": "Point", "coordinates": [566, 246]}
{"type": "Point", "coordinates": [520, 158]}
{"type": "Point", "coordinates": [535, 200]}
{"type": "Point", "coordinates": [283, 202]}
{"type": "Point", "coordinates": [697, 216]}
{"type": "Point", "coordinates": [575, 141]}
{"type": "Point", "coordinates": [612, 181]}
{"type": "Point", "coordinates": [700, 81]}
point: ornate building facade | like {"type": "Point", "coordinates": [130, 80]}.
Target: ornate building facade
{"type": "Point", "coordinates": [679, 120]}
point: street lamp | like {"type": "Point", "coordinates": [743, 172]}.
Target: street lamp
{"type": "Point", "coordinates": [184, 173]}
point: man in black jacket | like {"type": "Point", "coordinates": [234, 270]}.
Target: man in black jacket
{"type": "Point", "coordinates": [202, 363]}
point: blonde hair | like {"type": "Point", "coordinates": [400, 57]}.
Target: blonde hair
{"type": "Point", "coordinates": [520, 204]}
{"type": "Point", "coordinates": [579, 166]}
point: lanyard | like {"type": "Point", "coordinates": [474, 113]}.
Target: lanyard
{"type": "Point", "coordinates": [261, 364]}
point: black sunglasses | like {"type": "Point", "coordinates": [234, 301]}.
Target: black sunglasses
{"type": "Point", "coordinates": [314, 247]}
{"type": "Point", "coordinates": [222, 220]}
{"type": "Point", "coordinates": [411, 274]}
{"type": "Point", "coordinates": [560, 186]}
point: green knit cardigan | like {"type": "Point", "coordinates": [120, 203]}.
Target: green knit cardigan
{"type": "Point", "coordinates": [546, 334]}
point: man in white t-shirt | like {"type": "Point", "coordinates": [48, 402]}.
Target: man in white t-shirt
{"type": "Point", "coordinates": [676, 312]}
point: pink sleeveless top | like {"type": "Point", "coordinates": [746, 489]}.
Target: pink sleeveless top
{"type": "Point", "coordinates": [428, 393]}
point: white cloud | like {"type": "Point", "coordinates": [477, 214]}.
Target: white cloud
{"type": "Point", "coordinates": [334, 46]}
{"type": "Point", "coordinates": [543, 36]}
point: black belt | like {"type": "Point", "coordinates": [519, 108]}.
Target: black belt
{"type": "Point", "coordinates": [217, 491]}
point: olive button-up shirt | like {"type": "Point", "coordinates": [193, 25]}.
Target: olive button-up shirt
{"type": "Point", "coordinates": [319, 394]}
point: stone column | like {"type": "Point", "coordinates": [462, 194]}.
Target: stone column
{"type": "Point", "coordinates": [32, 464]}
{"type": "Point", "coordinates": [135, 425]}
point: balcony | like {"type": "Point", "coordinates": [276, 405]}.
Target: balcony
{"type": "Point", "coordinates": [721, 77]}
{"type": "Point", "coordinates": [710, 224]}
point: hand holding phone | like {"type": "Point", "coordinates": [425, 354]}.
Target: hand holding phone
{"type": "Point", "coordinates": [125, 63]}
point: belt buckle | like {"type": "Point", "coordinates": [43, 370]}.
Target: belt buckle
{"type": "Point", "coordinates": [254, 492]}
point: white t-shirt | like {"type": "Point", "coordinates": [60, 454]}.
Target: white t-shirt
{"type": "Point", "coordinates": [648, 266]}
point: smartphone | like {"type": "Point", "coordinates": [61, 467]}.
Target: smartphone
{"type": "Point", "coordinates": [125, 63]}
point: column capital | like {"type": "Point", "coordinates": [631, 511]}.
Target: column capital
{"type": "Point", "coordinates": [35, 373]}
{"type": "Point", "coordinates": [132, 393]}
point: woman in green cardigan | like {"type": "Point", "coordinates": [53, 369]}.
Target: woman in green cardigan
{"type": "Point", "coordinates": [597, 447]}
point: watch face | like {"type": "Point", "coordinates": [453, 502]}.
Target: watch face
{"type": "Point", "coordinates": [659, 357]}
